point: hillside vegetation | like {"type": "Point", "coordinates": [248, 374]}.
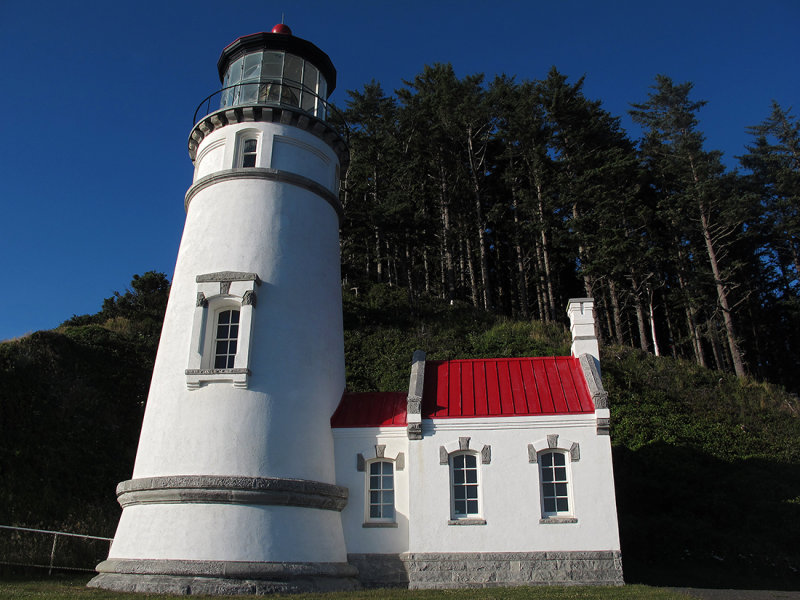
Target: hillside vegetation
{"type": "Point", "coordinates": [707, 465]}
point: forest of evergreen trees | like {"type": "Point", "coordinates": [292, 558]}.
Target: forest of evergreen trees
{"type": "Point", "coordinates": [514, 196]}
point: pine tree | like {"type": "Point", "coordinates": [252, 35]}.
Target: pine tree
{"type": "Point", "coordinates": [688, 181]}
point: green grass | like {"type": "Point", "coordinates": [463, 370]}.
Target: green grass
{"type": "Point", "coordinates": [58, 588]}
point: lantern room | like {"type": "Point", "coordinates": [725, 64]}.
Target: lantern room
{"type": "Point", "coordinates": [276, 68]}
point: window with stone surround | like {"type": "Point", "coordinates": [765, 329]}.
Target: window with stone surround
{"type": "Point", "coordinates": [464, 485]}
{"type": "Point", "coordinates": [554, 477]}
{"type": "Point", "coordinates": [221, 330]}
{"type": "Point", "coordinates": [380, 492]}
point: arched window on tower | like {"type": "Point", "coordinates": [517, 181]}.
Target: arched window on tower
{"type": "Point", "coordinates": [249, 152]}
{"type": "Point", "coordinates": [226, 339]}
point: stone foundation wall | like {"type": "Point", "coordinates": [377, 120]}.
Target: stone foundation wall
{"type": "Point", "coordinates": [488, 569]}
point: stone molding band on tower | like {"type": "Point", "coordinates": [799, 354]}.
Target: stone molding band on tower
{"type": "Point", "coordinates": [270, 175]}
{"type": "Point", "coordinates": [284, 115]}
{"type": "Point", "coordinates": [210, 489]}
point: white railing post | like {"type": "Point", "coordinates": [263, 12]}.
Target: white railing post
{"type": "Point", "coordinates": [52, 554]}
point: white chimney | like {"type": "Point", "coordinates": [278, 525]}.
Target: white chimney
{"type": "Point", "coordinates": [581, 325]}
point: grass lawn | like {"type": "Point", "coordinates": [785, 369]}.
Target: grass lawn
{"type": "Point", "coordinates": [66, 588]}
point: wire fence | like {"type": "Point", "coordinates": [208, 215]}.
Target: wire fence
{"type": "Point", "coordinates": [51, 550]}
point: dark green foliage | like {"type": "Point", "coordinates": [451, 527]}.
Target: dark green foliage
{"type": "Point", "coordinates": [709, 466]}
{"type": "Point", "coordinates": [71, 405]}
{"type": "Point", "coordinates": [383, 329]}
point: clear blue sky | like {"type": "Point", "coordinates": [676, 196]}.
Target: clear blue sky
{"type": "Point", "coordinates": [98, 98]}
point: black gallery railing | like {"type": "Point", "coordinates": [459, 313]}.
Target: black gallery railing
{"type": "Point", "coordinates": [275, 92]}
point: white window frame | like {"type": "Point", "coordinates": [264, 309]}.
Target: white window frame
{"type": "Point", "coordinates": [572, 453]}
{"type": "Point", "coordinates": [210, 351]}
{"type": "Point", "coordinates": [368, 518]}
{"type": "Point", "coordinates": [468, 516]}
{"type": "Point", "coordinates": [241, 138]}
{"type": "Point", "coordinates": [217, 292]}
{"type": "Point", "coordinates": [570, 497]}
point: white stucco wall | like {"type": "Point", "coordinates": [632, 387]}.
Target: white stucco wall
{"type": "Point", "coordinates": [281, 147]}
{"type": "Point", "coordinates": [229, 532]}
{"type": "Point", "coordinates": [509, 488]}
{"type": "Point", "coordinates": [349, 442]}
{"type": "Point", "coordinates": [279, 426]}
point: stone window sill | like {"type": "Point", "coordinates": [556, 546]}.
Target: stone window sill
{"type": "Point", "coordinates": [467, 522]}
{"type": "Point", "coordinates": [558, 520]}
{"type": "Point", "coordinates": [379, 525]}
{"type": "Point", "coordinates": [196, 377]}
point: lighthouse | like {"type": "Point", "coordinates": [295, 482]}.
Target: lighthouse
{"type": "Point", "coordinates": [233, 486]}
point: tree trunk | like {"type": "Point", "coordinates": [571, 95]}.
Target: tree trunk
{"type": "Point", "coordinates": [612, 291]}
{"type": "Point", "coordinates": [426, 270]}
{"type": "Point", "coordinates": [668, 318]}
{"type": "Point", "coordinates": [587, 279]}
{"type": "Point", "coordinates": [653, 323]}
{"type": "Point", "coordinates": [476, 190]}
{"type": "Point", "coordinates": [409, 268]}
{"type": "Point", "coordinates": [722, 294]}
{"type": "Point", "coordinates": [540, 283]}
{"type": "Point", "coordinates": [473, 284]}
{"type": "Point", "coordinates": [551, 301]}
{"type": "Point", "coordinates": [448, 279]}
{"type": "Point", "coordinates": [639, 314]}
{"type": "Point", "coordinates": [522, 278]}
{"type": "Point", "coordinates": [378, 256]}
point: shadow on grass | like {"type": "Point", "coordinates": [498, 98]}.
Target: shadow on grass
{"type": "Point", "coordinates": [689, 519]}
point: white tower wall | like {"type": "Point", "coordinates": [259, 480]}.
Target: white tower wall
{"type": "Point", "coordinates": [288, 236]}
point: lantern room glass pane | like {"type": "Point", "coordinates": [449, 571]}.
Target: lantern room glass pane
{"type": "Point", "coordinates": [235, 71]}
{"type": "Point", "coordinates": [252, 66]}
{"type": "Point", "coordinates": [310, 74]}
{"type": "Point", "coordinates": [272, 67]}
{"type": "Point", "coordinates": [293, 69]}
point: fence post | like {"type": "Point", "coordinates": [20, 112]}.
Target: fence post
{"type": "Point", "coordinates": [52, 554]}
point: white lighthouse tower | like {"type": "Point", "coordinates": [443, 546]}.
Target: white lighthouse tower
{"type": "Point", "coordinates": [233, 486]}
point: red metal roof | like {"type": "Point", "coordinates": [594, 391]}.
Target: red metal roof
{"type": "Point", "coordinates": [498, 387]}
{"type": "Point", "coordinates": [371, 409]}
{"type": "Point", "coordinates": [490, 387]}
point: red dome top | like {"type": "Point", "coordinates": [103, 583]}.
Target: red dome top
{"type": "Point", "coordinates": [282, 28]}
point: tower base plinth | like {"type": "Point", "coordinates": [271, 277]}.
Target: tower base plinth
{"type": "Point", "coordinates": [193, 577]}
